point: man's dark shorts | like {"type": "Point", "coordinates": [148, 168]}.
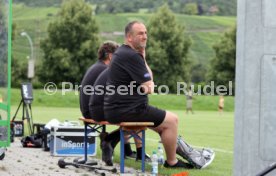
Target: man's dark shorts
{"type": "Point", "coordinates": [143, 113]}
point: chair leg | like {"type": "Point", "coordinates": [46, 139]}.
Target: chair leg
{"type": "Point", "coordinates": [103, 129]}
{"type": "Point", "coordinates": [122, 151]}
{"type": "Point", "coordinates": [85, 142]}
{"type": "Point", "coordinates": [143, 150]}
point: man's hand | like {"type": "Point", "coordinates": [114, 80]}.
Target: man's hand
{"type": "Point", "coordinates": [143, 52]}
{"type": "Point", "coordinates": [148, 87]}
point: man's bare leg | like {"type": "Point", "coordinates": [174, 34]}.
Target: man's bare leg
{"type": "Point", "coordinates": [168, 133]}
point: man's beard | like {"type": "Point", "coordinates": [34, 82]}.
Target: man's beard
{"type": "Point", "coordinates": [140, 47]}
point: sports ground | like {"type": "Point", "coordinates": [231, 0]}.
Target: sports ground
{"type": "Point", "coordinates": [201, 129]}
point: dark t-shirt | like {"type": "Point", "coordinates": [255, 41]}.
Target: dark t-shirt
{"type": "Point", "coordinates": [126, 66]}
{"type": "Point", "coordinates": [88, 80]}
{"type": "Point", "coordinates": [96, 101]}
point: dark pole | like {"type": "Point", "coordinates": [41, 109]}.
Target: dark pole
{"type": "Point", "coordinates": [267, 170]}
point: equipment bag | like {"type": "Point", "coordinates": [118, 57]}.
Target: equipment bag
{"type": "Point", "coordinates": [35, 141]}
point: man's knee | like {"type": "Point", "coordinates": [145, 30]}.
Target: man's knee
{"type": "Point", "coordinates": [171, 118]}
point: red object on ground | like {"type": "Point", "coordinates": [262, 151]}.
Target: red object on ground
{"type": "Point", "coordinates": [181, 174]}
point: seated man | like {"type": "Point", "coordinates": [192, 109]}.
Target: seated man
{"type": "Point", "coordinates": [109, 142]}
{"type": "Point", "coordinates": [129, 68]}
{"type": "Point", "coordinates": [104, 57]}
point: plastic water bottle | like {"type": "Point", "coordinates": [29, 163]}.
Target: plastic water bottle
{"type": "Point", "coordinates": [154, 164]}
{"type": "Point", "coordinates": [66, 123]}
{"type": "Point", "coordinates": [15, 128]}
{"type": "Point", "coordinates": [160, 155]}
{"type": "Point", "coordinates": [19, 129]}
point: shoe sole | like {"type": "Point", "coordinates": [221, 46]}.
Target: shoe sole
{"type": "Point", "coordinates": [209, 162]}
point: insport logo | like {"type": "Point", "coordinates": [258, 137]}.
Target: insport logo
{"type": "Point", "coordinates": [73, 145]}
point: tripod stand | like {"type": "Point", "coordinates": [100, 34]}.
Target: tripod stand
{"type": "Point", "coordinates": [26, 101]}
{"type": "Point", "coordinates": [26, 114]}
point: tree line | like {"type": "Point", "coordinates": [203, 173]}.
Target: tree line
{"type": "Point", "coordinates": [3, 45]}
{"type": "Point", "coordinates": [190, 7]}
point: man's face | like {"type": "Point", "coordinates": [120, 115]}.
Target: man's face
{"type": "Point", "coordinates": [138, 36]}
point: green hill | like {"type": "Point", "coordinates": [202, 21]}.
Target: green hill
{"type": "Point", "coordinates": [204, 30]}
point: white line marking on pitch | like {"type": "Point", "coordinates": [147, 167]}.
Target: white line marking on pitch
{"type": "Point", "coordinates": [215, 149]}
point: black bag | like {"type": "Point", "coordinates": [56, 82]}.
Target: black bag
{"type": "Point", "coordinates": [45, 132]}
{"type": "Point", "coordinates": [35, 141]}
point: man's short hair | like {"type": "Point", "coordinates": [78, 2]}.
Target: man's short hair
{"type": "Point", "coordinates": [106, 48]}
{"type": "Point", "coordinates": [128, 27]}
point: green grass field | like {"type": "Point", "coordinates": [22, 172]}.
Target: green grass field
{"type": "Point", "coordinates": [205, 128]}
{"type": "Point", "coordinates": [171, 101]}
{"type": "Point", "coordinates": [202, 129]}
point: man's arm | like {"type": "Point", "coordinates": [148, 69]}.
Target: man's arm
{"type": "Point", "coordinates": [143, 53]}
{"type": "Point", "coordinates": [148, 86]}
{"type": "Point", "coordinates": [150, 72]}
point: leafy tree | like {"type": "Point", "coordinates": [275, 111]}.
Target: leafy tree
{"type": "Point", "coordinates": [71, 45]}
{"type": "Point", "coordinates": [226, 7]}
{"type": "Point", "coordinates": [191, 9]}
{"type": "Point", "coordinates": [223, 65]}
{"type": "Point", "coordinates": [16, 76]}
{"type": "Point", "coordinates": [40, 3]}
{"type": "Point", "coordinates": [18, 71]}
{"type": "Point", "coordinates": [3, 45]}
{"type": "Point", "coordinates": [167, 49]}
{"type": "Point", "coordinates": [116, 6]}
{"type": "Point", "coordinates": [198, 72]}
